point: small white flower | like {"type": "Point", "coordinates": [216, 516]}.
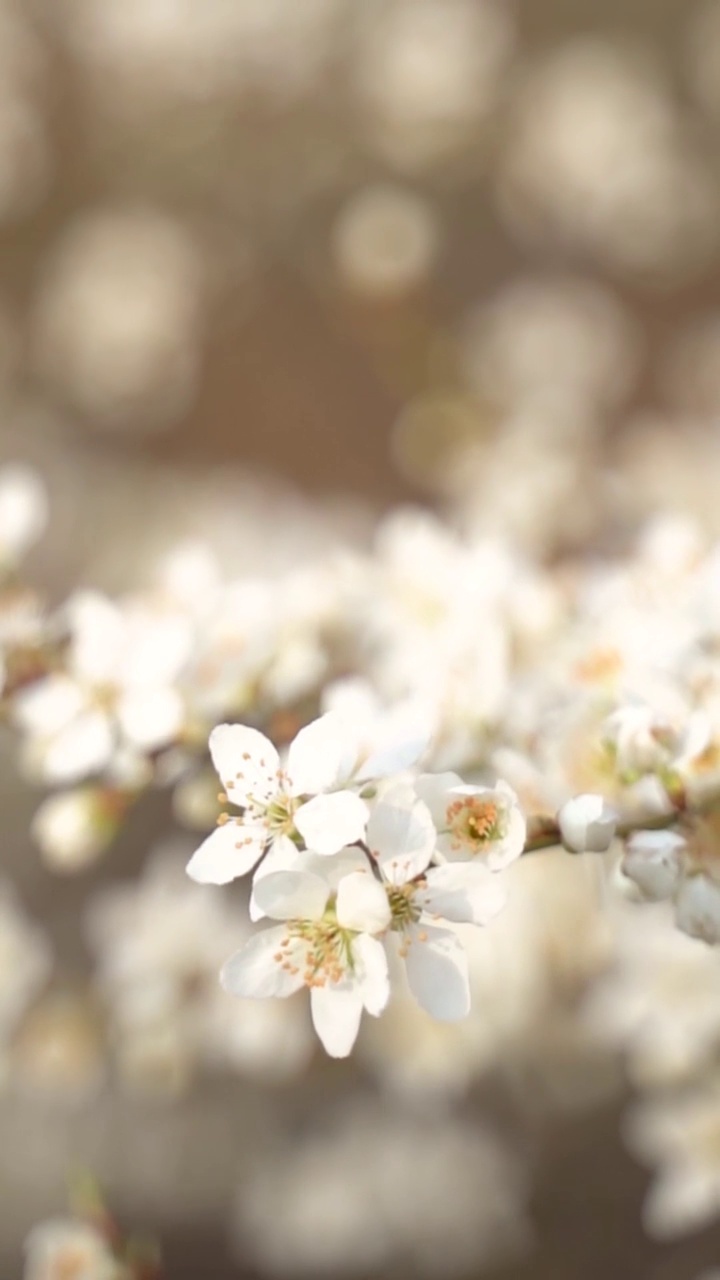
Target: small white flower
{"type": "Point", "coordinates": [281, 804]}
{"type": "Point", "coordinates": [653, 861]}
{"type": "Point", "coordinates": [474, 822]}
{"type": "Point", "coordinates": [331, 910]}
{"type": "Point", "coordinates": [697, 907]}
{"type": "Point", "coordinates": [119, 689]}
{"type": "Point", "coordinates": [401, 838]}
{"type": "Point", "coordinates": [312, 799]}
{"type": "Point", "coordinates": [587, 824]}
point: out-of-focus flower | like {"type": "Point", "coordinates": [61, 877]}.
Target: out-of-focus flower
{"type": "Point", "coordinates": [381, 1189]}
{"type": "Point", "coordinates": [120, 685]}
{"type": "Point", "coordinates": [657, 999]}
{"type": "Point", "coordinates": [427, 72]}
{"type": "Point", "coordinates": [72, 828]}
{"type": "Point", "coordinates": [551, 340]}
{"type": "Point", "coordinates": [598, 154]}
{"type": "Point", "coordinates": [118, 319]}
{"type": "Point", "coordinates": [384, 241]}
{"type": "Point", "coordinates": [68, 1249]}
{"type": "Point", "coordinates": [587, 824]}
{"type": "Point", "coordinates": [653, 861]}
{"type": "Point", "coordinates": [170, 48]}
{"type": "Point", "coordinates": [680, 1136]}
{"type": "Point", "coordinates": [697, 907]}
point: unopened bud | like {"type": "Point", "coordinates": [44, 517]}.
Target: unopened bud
{"type": "Point", "coordinates": [587, 824]}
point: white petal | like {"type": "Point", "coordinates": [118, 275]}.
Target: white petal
{"type": "Point", "coordinates": [48, 706]}
{"type": "Point", "coordinates": [150, 718]}
{"type": "Point", "coordinates": [322, 756]}
{"type": "Point", "coordinates": [231, 851]}
{"type": "Point", "coordinates": [398, 755]}
{"type": "Point", "coordinates": [371, 968]}
{"type": "Point", "coordinates": [291, 895]}
{"type": "Point", "coordinates": [403, 839]}
{"type": "Point", "coordinates": [85, 746]}
{"type": "Point", "coordinates": [246, 762]}
{"type": "Point", "coordinates": [362, 903]}
{"type": "Point", "coordinates": [156, 648]}
{"type": "Point", "coordinates": [282, 855]}
{"type": "Point", "coordinates": [327, 823]}
{"type": "Point", "coordinates": [433, 789]}
{"type": "Point", "coordinates": [336, 1011]}
{"type": "Point", "coordinates": [437, 972]}
{"type": "Point", "coordinates": [256, 972]}
{"type": "Point", "coordinates": [465, 892]}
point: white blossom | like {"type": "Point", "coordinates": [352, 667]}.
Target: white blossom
{"type": "Point", "coordinates": [474, 822]}
{"type": "Point", "coordinates": [120, 689]}
{"type": "Point", "coordinates": [424, 899]}
{"type": "Point", "coordinates": [311, 799]}
{"type": "Point", "coordinates": [331, 910]}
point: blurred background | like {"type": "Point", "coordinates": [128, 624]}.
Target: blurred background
{"type": "Point", "coordinates": [269, 268]}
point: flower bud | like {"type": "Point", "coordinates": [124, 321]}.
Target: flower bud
{"type": "Point", "coordinates": [653, 860]}
{"type": "Point", "coordinates": [587, 824]}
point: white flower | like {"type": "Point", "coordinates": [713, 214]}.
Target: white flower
{"type": "Point", "coordinates": [331, 910]}
{"type": "Point", "coordinates": [653, 861]}
{"type": "Point", "coordinates": [119, 688]}
{"type": "Point", "coordinates": [66, 1249]}
{"type": "Point", "coordinates": [697, 907]}
{"type": "Point", "coordinates": [311, 799]}
{"type": "Point", "coordinates": [587, 824]}
{"type": "Point", "coordinates": [474, 822]}
{"type": "Point", "coordinates": [401, 839]}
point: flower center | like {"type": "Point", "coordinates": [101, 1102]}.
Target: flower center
{"type": "Point", "coordinates": [403, 908]}
{"type": "Point", "coordinates": [474, 821]}
{"type": "Point", "coordinates": [279, 814]}
{"type": "Point", "coordinates": [326, 950]}
{"type": "Point", "coordinates": [104, 696]}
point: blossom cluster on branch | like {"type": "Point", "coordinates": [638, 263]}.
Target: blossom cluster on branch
{"type": "Point", "coordinates": [474, 706]}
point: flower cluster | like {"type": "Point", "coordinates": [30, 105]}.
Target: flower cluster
{"type": "Point", "coordinates": [356, 856]}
